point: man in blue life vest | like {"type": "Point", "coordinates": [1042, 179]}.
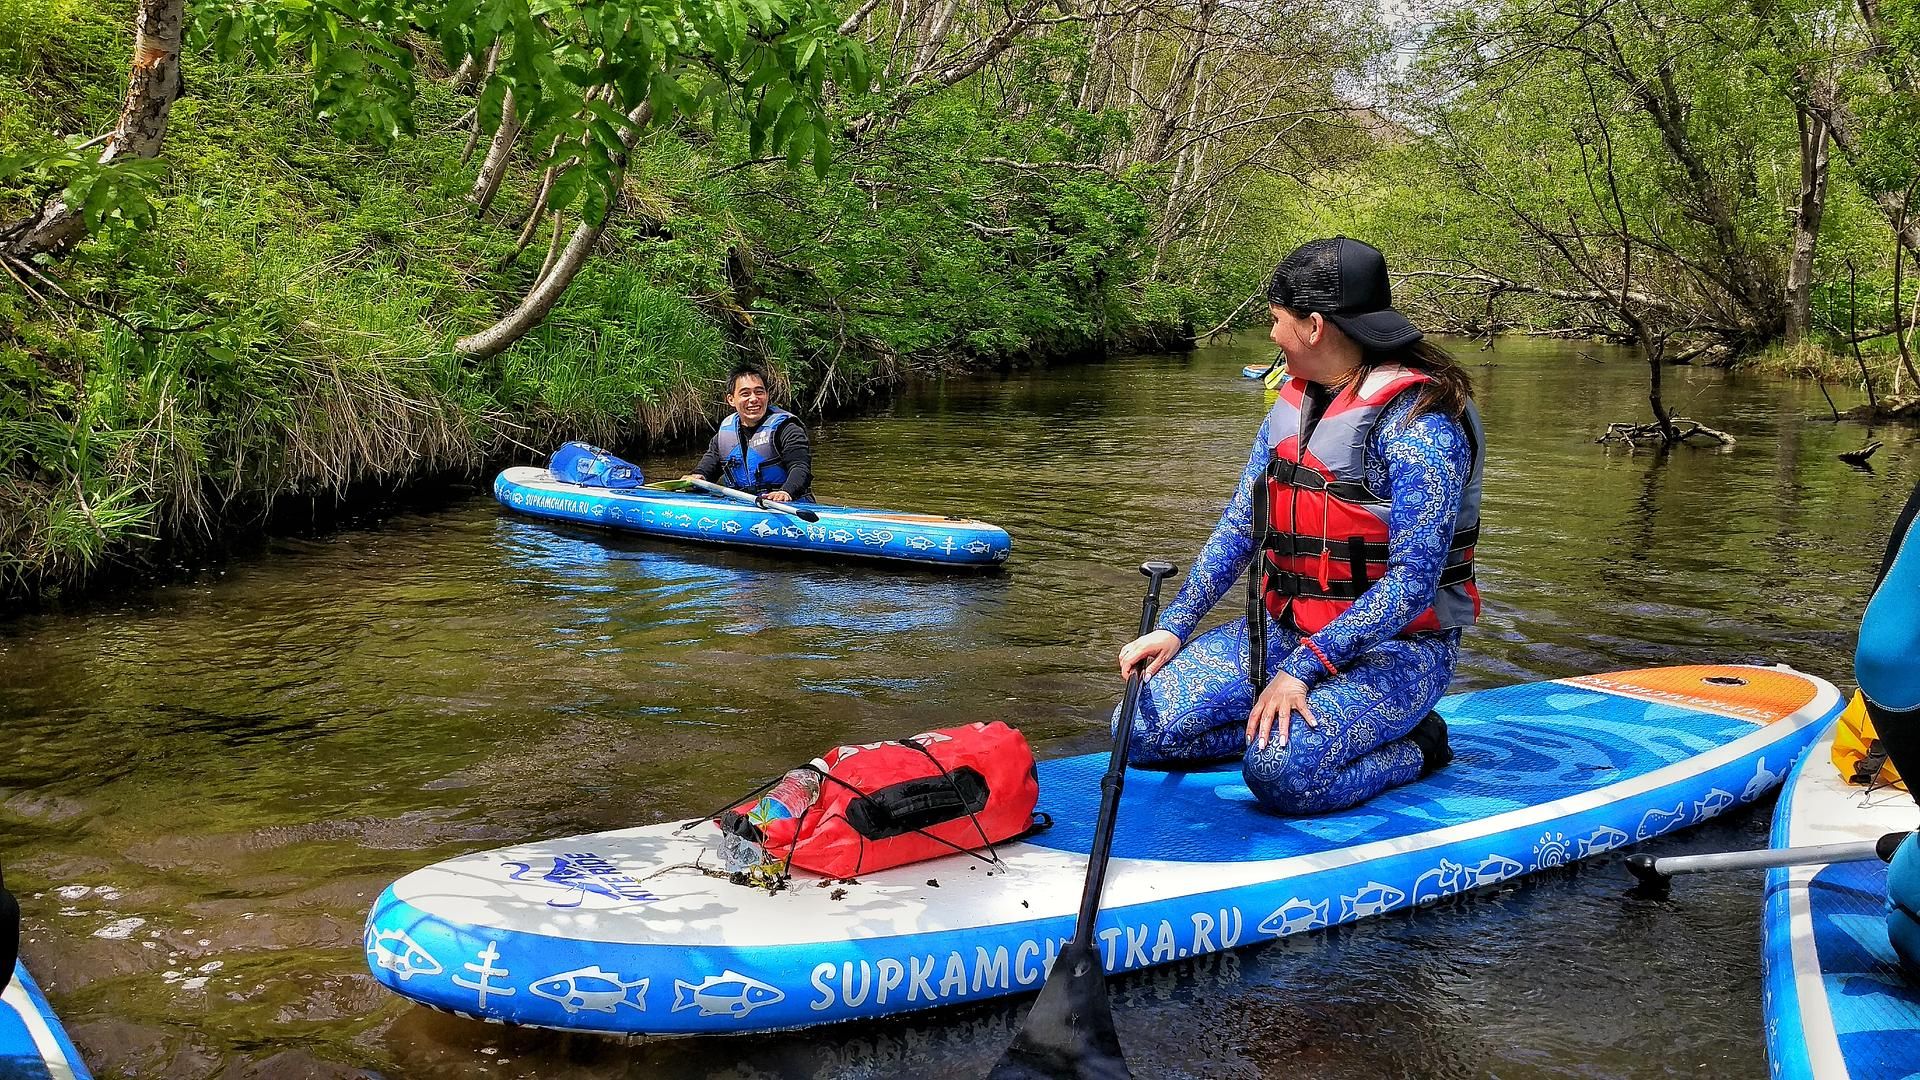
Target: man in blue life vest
{"type": "Point", "coordinates": [760, 449]}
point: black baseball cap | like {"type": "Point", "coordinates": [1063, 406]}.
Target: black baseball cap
{"type": "Point", "coordinates": [1346, 281]}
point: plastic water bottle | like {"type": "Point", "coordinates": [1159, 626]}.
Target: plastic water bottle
{"type": "Point", "coordinates": [740, 854]}
{"type": "Point", "coordinates": [788, 798]}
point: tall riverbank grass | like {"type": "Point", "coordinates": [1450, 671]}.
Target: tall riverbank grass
{"type": "Point", "coordinates": [1838, 365]}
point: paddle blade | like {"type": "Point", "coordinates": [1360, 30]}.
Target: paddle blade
{"type": "Point", "coordinates": [1069, 1035]}
{"type": "Point", "coordinates": [807, 516]}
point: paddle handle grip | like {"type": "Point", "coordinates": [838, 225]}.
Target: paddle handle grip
{"type": "Point", "coordinates": [1156, 572]}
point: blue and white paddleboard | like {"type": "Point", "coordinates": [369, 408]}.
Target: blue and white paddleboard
{"type": "Point", "coordinates": [842, 531]}
{"type": "Point", "coordinates": [1838, 1004]}
{"type": "Point", "coordinates": [637, 931]}
{"type": "Point", "coordinates": [32, 1044]}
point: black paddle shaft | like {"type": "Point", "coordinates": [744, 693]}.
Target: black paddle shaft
{"type": "Point", "coordinates": [1069, 1032]}
{"type": "Point", "coordinates": [1111, 783]}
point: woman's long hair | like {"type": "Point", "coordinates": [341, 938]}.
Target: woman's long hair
{"type": "Point", "coordinates": [1448, 392]}
{"type": "Point", "coordinates": [1451, 385]}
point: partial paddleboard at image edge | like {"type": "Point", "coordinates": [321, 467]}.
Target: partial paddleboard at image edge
{"type": "Point", "coordinates": [33, 1045]}
{"type": "Point", "coordinates": [1837, 1004]}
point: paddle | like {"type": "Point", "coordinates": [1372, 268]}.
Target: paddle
{"type": "Point", "coordinates": [763, 503]}
{"type": "Point", "coordinates": [1655, 876]}
{"type": "Point", "coordinates": [1070, 1032]}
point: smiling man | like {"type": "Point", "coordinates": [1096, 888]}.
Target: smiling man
{"type": "Point", "coordinates": [760, 449]}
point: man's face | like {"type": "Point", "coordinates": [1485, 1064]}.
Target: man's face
{"type": "Point", "coordinates": [749, 399]}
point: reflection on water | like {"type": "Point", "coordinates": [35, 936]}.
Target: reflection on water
{"type": "Point", "coordinates": [202, 788]}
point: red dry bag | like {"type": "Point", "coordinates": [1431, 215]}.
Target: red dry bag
{"type": "Point", "coordinates": [888, 804]}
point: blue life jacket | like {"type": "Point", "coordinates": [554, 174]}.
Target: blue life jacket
{"type": "Point", "coordinates": [589, 466]}
{"type": "Point", "coordinates": [755, 468]}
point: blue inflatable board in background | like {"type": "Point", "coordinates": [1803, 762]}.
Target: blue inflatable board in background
{"type": "Point", "coordinates": [842, 531]}
{"type": "Point", "coordinates": [1838, 1006]}
{"type": "Point", "coordinates": [638, 931]}
{"type": "Point", "coordinates": [32, 1044]}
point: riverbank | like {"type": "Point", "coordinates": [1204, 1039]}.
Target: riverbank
{"type": "Point", "coordinates": [283, 332]}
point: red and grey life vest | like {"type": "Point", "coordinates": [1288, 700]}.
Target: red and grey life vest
{"type": "Point", "coordinates": [755, 467]}
{"type": "Point", "coordinates": [1324, 532]}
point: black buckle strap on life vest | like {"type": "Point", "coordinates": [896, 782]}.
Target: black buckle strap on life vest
{"type": "Point", "coordinates": [1289, 584]}
{"type": "Point", "coordinates": [1295, 475]}
{"type": "Point", "coordinates": [1356, 557]}
{"type": "Point", "coordinates": [1283, 545]}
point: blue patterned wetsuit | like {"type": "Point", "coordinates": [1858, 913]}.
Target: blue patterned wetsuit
{"type": "Point", "coordinates": [1887, 659]}
{"type": "Point", "coordinates": [1195, 709]}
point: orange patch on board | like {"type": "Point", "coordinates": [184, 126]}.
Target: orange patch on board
{"type": "Point", "coordinates": [1761, 695]}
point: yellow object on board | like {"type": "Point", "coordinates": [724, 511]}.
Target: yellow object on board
{"type": "Point", "coordinates": [1856, 749]}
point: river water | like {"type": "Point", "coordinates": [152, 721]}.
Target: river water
{"type": "Point", "coordinates": [204, 786]}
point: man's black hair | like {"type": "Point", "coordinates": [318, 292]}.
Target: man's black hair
{"type": "Point", "coordinates": [755, 370]}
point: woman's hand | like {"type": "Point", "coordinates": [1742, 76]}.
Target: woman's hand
{"type": "Point", "coordinates": [1153, 649]}
{"type": "Point", "coordinates": [777, 496]}
{"type": "Point", "coordinates": [1273, 713]}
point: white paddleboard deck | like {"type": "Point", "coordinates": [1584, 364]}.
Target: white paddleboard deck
{"type": "Point", "coordinates": [636, 931]}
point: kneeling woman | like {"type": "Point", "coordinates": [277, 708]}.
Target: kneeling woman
{"type": "Point", "coordinates": [1362, 503]}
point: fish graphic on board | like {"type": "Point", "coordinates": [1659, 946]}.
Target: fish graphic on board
{"type": "Point", "coordinates": [1372, 899]}
{"type": "Point", "coordinates": [726, 994]}
{"type": "Point", "coordinates": [408, 961]}
{"type": "Point", "coordinates": [1605, 838]}
{"type": "Point", "coordinates": [1715, 802]}
{"type": "Point", "coordinates": [1295, 916]}
{"type": "Point", "coordinates": [1762, 782]}
{"type": "Point", "coordinates": [1451, 877]}
{"type": "Point", "coordinates": [1656, 821]}
{"type": "Point", "coordinates": [592, 989]}
{"type": "Point", "coordinates": [763, 530]}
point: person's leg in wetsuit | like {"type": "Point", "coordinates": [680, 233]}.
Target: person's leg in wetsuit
{"type": "Point", "coordinates": [1886, 662]}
